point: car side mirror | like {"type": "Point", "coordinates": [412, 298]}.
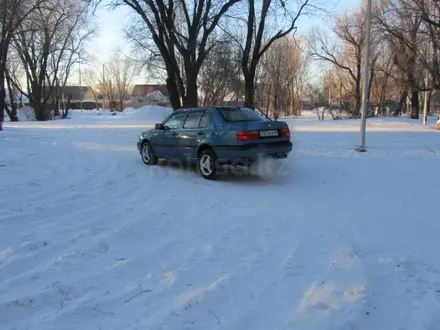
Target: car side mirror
{"type": "Point", "coordinates": [159, 126]}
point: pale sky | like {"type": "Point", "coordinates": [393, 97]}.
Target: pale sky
{"type": "Point", "coordinates": [110, 31]}
{"type": "Point", "coordinates": [112, 21]}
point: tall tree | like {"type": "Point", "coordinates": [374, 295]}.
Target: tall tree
{"type": "Point", "coordinates": [284, 74]}
{"type": "Point", "coordinates": [143, 49]}
{"type": "Point", "coordinates": [92, 79]}
{"type": "Point", "coordinates": [218, 74]}
{"type": "Point", "coordinates": [344, 53]}
{"type": "Point", "coordinates": [12, 15]}
{"type": "Point", "coordinates": [48, 45]}
{"type": "Point", "coordinates": [400, 23]}
{"type": "Point", "coordinates": [261, 33]}
{"type": "Point", "coordinates": [384, 82]}
{"type": "Point", "coordinates": [185, 28]}
{"type": "Point", "coordinates": [430, 35]}
{"type": "Point", "coordinates": [121, 71]}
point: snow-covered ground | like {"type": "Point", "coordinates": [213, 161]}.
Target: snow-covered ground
{"type": "Point", "coordinates": [90, 238]}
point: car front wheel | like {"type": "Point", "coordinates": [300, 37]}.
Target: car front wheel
{"type": "Point", "coordinates": [207, 164]}
{"type": "Point", "coordinates": [147, 154]}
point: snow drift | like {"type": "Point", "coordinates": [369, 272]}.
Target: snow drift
{"type": "Point", "coordinates": [149, 113]}
{"type": "Point", "coordinates": [129, 110]}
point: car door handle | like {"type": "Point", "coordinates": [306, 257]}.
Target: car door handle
{"type": "Point", "coordinates": [200, 133]}
{"type": "Point", "coordinates": [175, 134]}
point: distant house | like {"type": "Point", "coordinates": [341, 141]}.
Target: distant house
{"type": "Point", "coordinates": [149, 94]}
{"type": "Point", "coordinates": [79, 97]}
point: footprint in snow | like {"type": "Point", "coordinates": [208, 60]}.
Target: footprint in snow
{"type": "Point", "coordinates": [34, 245]}
{"type": "Point", "coordinates": [102, 247]}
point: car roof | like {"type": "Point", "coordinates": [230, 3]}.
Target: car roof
{"type": "Point", "coordinates": [225, 107]}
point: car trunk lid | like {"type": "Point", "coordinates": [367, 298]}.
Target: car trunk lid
{"type": "Point", "coordinates": [261, 130]}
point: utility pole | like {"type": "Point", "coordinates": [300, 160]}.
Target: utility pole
{"type": "Point", "coordinates": [426, 98]}
{"type": "Point", "coordinates": [362, 147]}
{"type": "Point", "coordinates": [80, 88]}
{"type": "Point", "coordinates": [103, 87]}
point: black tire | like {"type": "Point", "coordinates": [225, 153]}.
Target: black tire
{"type": "Point", "coordinates": [151, 159]}
{"type": "Point", "coordinates": [209, 156]}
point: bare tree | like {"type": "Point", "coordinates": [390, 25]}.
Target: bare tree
{"type": "Point", "coordinates": [429, 11]}
{"type": "Point", "coordinates": [218, 73]}
{"type": "Point", "coordinates": [121, 71]}
{"type": "Point", "coordinates": [108, 89]}
{"type": "Point", "coordinates": [384, 84]}
{"type": "Point", "coordinates": [191, 39]}
{"type": "Point", "coordinates": [48, 46]}
{"type": "Point", "coordinates": [282, 77]}
{"type": "Point", "coordinates": [346, 52]}
{"type": "Point", "coordinates": [143, 49]}
{"type": "Point", "coordinates": [317, 98]}
{"type": "Point", "coordinates": [13, 70]}
{"type": "Point", "coordinates": [92, 78]}
{"type": "Point", "coordinates": [12, 14]}
{"type": "Point", "coordinates": [266, 22]}
{"type": "Point", "coordinates": [400, 23]}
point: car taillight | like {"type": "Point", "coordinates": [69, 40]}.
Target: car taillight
{"type": "Point", "coordinates": [285, 132]}
{"type": "Point", "coordinates": [247, 135]}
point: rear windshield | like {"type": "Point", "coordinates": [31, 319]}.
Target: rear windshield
{"type": "Point", "coordinates": [241, 114]}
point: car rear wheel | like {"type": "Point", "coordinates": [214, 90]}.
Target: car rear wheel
{"type": "Point", "coordinates": [207, 164]}
{"type": "Point", "coordinates": [147, 154]}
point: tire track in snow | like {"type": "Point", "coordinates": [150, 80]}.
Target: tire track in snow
{"type": "Point", "coordinates": [261, 283]}
{"type": "Point", "coordinates": [398, 283]}
{"type": "Point", "coordinates": [101, 234]}
{"type": "Point", "coordinates": [201, 261]}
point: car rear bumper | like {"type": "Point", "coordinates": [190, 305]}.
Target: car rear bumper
{"type": "Point", "coordinates": [249, 153]}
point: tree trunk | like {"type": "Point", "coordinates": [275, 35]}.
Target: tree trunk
{"type": "Point", "coordinates": [358, 90]}
{"type": "Point", "coordinates": [2, 94]}
{"type": "Point", "coordinates": [66, 107]}
{"type": "Point", "coordinates": [173, 92]}
{"type": "Point", "coordinates": [429, 102]}
{"type": "Point", "coordinates": [340, 98]}
{"type": "Point", "coordinates": [237, 99]}
{"type": "Point", "coordinates": [3, 58]}
{"type": "Point", "coordinates": [37, 104]}
{"type": "Point", "coordinates": [415, 108]}
{"type": "Point", "coordinates": [382, 108]}
{"type": "Point", "coordinates": [382, 98]}
{"type": "Point", "coordinates": [40, 111]}
{"type": "Point", "coordinates": [399, 107]}
{"type": "Point", "coordinates": [249, 90]}
{"type": "Point", "coordinates": [293, 107]}
{"type": "Point", "coordinates": [370, 81]}
{"type": "Point", "coordinates": [13, 112]}
{"type": "Point", "coordinates": [57, 101]}
{"type": "Point", "coordinates": [56, 110]}
{"type": "Point", "coordinates": [9, 115]}
{"type": "Point", "coordinates": [190, 99]}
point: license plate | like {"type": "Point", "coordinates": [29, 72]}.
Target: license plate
{"type": "Point", "coordinates": [272, 132]}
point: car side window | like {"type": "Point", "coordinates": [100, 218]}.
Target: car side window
{"type": "Point", "coordinates": [204, 122]}
{"type": "Point", "coordinates": [175, 121]}
{"type": "Point", "coordinates": [193, 119]}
